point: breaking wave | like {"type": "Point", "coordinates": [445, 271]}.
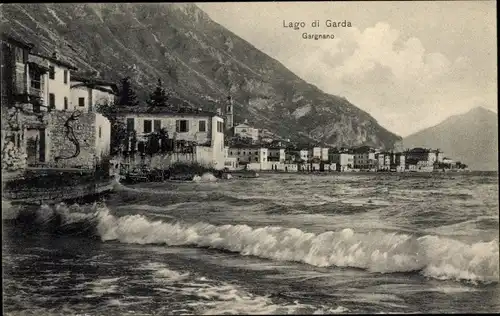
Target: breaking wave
{"type": "Point", "coordinates": [432, 256]}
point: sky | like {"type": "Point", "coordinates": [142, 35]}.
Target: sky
{"type": "Point", "coordinates": [409, 64]}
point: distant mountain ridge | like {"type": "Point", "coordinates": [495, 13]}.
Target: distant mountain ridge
{"type": "Point", "coordinates": [471, 138]}
{"type": "Point", "coordinates": [201, 61]}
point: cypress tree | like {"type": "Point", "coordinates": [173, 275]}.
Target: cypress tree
{"type": "Point", "coordinates": [127, 94]}
{"type": "Point", "coordinates": [159, 96]}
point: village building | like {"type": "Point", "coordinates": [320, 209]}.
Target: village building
{"type": "Point", "coordinates": [383, 161]}
{"type": "Point", "coordinates": [276, 154]}
{"type": "Point", "coordinates": [43, 133]}
{"type": "Point", "coordinates": [324, 154]}
{"type": "Point", "coordinates": [421, 157]}
{"type": "Point", "coordinates": [88, 92]}
{"type": "Point", "coordinates": [265, 136]}
{"type": "Point", "coordinates": [315, 152]}
{"type": "Point", "coordinates": [398, 162]}
{"type": "Point", "coordinates": [50, 79]}
{"type": "Point", "coordinates": [364, 158]}
{"type": "Point", "coordinates": [197, 134]}
{"type": "Point", "coordinates": [297, 155]}
{"type": "Point", "coordinates": [343, 160]}
{"type": "Point", "coordinates": [230, 163]}
{"type": "Point", "coordinates": [244, 130]}
{"type": "Point", "coordinates": [253, 157]}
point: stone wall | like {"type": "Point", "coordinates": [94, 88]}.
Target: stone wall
{"type": "Point", "coordinates": [61, 146]}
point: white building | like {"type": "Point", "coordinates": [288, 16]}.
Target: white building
{"type": "Point", "coordinates": [253, 156]}
{"type": "Point", "coordinates": [230, 163]}
{"type": "Point", "coordinates": [364, 158]}
{"type": "Point", "coordinates": [245, 130]}
{"type": "Point", "coordinates": [276, 155]}
{"type": "Point", "coordinates": [202, 129]}
{"type": "Point", "coordinates": [315, 152]}
{"type": "Point", "coordinates": [343, 161]}
{"type": "Point", "coordinates": [87, 93]}
{"type": "Point", "coordinates": [49, 79]}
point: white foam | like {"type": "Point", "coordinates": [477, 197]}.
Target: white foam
{"type": "Point", "coordinates": [206, 177]}
{"type": "Point", "coordinates": [375, 251]}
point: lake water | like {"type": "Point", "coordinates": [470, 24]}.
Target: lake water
{"type": "Point", "coordinates": [277, 244]}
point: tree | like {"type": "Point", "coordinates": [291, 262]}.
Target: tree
{"type": "Point", "coordinates": [159, 97]}
{"type": "Point", "coordinates": [127, 95]}
{"type": "Point", "coordinates": [118, 129]}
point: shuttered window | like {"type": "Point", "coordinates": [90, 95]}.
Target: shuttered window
{"type": "Point", "coordinates": [202, 126]}
{"type": "Point", "coordinates": [52, 72]}
{"type": "Point", "coordinates": [157, 125]}
{"type": "Point", "coordinates": [52, 100]}
{"type": "Point", "coordinates": [130, 124]}
{"type": "Point", "coordinates": [147, 126]}
{"type": "Point", "coordinates": [182, 126]}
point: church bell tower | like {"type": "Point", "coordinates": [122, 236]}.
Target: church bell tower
{"type": "Point", "coordinates": [229, 114]}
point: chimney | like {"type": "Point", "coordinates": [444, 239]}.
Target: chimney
{"type": "Point", "coordinates": [96, 73]}
{"type": "Point", "coordinates": [55, 54]}
{"type": "Point", "coordinates": [246, 121]}
{"type": "Point", "coordinates": [219, 112]}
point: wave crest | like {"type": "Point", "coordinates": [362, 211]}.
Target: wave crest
{"type": "Point", "coordinates": [376, 251]}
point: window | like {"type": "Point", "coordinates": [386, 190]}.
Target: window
{"type": "Point", "coordinates": [202, 126]}
{"type": "Point", "coordinates": [130, 124]}
{"type": "Point", "coordinates": [81, 101]}
{"type": "Point", "coordinates": [19, 55]}
{"type": "Point", "coordinates": [100, 132]}
{"type": "Point", "coordinates": [256, 152]}
{"type": "Point", "coordinates": [147, 126]}
{"type": "Point", "coordinates": [66, 77]}
{"type": "Point", "coordinates": [219, 127]}
{"type": "Point", "coordinates": [52, 72]}
{"type": "Point", "coordinates": [52, 100]}
{"type": "Point", "coordinates": [256, 159]}
{"type": "Point", "coordinates": [182, 126]}
{"type": "Point", "coordinates": [65, 103]}
{"type": "Point", "coordinates": [157, 125]}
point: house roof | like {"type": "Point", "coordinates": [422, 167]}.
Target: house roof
{"type": "Point", "coordinates": [86, 79]}
{"type": "Point", "coordinates": [244, 146]}
{"type": "Point", "coordinates": [9, 38]}
{"type": "Point", "coordinates": [56, 61]}
{"type": "Point", "coordinates": [112, 90]}
{"type": "Point", "coordinates": [419, 150]}
{"type": "Point", "coordinates": [243, 125]}
{"type": "Point", "coordinates": [94, 83]}
{"type": "Point", "coordinates": [176, 107]}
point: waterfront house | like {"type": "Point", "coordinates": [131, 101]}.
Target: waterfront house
{"type": "Point", "coordinates": [14, 90]}
{"type": "Point", "coordinates": [87, 92]}
{"type": "Point", "coordinates": [343, 160]}
{"type": "Point", "coordinates": [383, 160]}
{"type": "Point", "coordinates": [197, 133]}
{"type": "Point", "coordinates": [276, 154]}
{"type": "Point", "coordinates": [230, 163]}
{"type": "Point", "coordinates": [398, 162]}
{"type": "Point", "coordinates": [324, 154]}
{"type": "Point", "coordinates": [315, 152]}
{"type": "Point", "coordinates": [50, 78]}
{"type": "Point", "coordinates": [253, 157]}
{"type": "Point", "coordinates": [420, 157]}
{"type": "Point", "coordinates": [246, 131]}
{"type": "Point", "coordinates": [364, 158]}
{"type": "Point", "coordinates": [439, 155]}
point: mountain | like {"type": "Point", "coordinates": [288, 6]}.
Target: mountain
{"type": "Point", "coordinates": [471, 138]}
{"type": "Point", "coordinates": [198, 59]}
